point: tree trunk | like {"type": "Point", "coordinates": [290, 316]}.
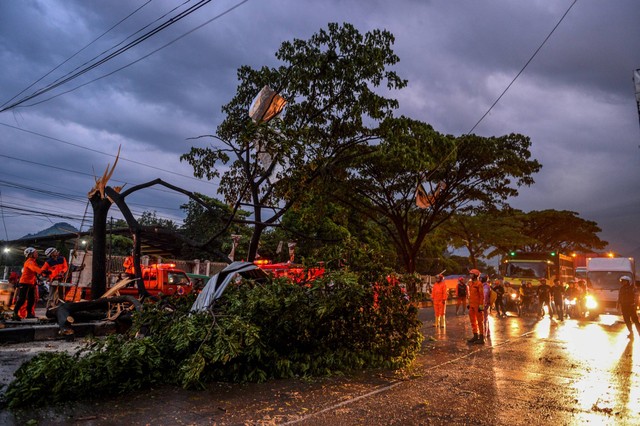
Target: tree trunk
{"type": "Point", "coordinates": [99, 262]}
{"type": "Point", "coordinates": [255, 240]}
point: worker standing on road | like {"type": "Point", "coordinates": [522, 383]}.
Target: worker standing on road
{"type": "Point", "coordinates": [627, 304]}
{"type": "Point", "coordinates": [544, 296]}
{"type": "Point", "coordinates": [439, 298]}
{"type": "Point", "coordinates": [27, 285]}
{"type": "Point", "coordinates": [476, 307]}
{"type": "Point", "coordinates": [499, 304]}
{"type": "Point", "coordinates": [461, 295]}
{"type": "Point", "coordinates": [558, 298]}
{"type": "Point", "coordinates": [489, 297]}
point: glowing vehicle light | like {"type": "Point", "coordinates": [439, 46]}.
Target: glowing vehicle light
{"type": "Point", "coordinates": [591, 302]}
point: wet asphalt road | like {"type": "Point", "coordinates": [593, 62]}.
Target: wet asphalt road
{"type": "Point", "coordinates": [530, 372]}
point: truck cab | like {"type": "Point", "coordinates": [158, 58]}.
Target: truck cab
{"type": "Point", "coordinates": [603, 282]}
{"type": "Point", "coordinates": [162, 279]}
{"type": "Point", "coordinates": [531, 267]}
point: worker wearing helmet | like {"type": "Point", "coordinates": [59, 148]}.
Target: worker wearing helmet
{"type": "Point", "coordinates": [55, 265]}
{"type": "Point", "coordinates": [627, 304]}
{"type": "Point", "coordinates": [27, 284]}
{"type": "Point", "coordinates": [476, 307]}
{"type": "Point", "coordinates": [439, 298]}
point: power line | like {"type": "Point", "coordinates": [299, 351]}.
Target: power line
{"type": "Point", "coordinates": [140, 59]}
{"type": "Point", "coordinates": [78, 52]}
{"type": "Point", "coordinates": [105, 153]}
{"type": "Point", "coordinates": [3, 222]}
{"type": "Point", "coordinates": [70, 197]}
{"type": "Point", "coordinates": [118, 52]}
{"type": "Point", "coordinates": [523, 68]}
{"type": "Point", "coordinates": [76, 172]}
{"type": "Point", "coordinates": [428, 175]}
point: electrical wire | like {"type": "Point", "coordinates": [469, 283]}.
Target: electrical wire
{"type": "Point", "coordinates": [3, 222]}
{"type": "Point", "coordinates": [70, 197]}
{"type": "Point", "coordinates": [112, 55]}
{"type": "Point", "coordinates": [106, 153]}
{"type": "Point", "coordinates": [523, 67]}
{"type": "Point", "coordinates": [78, 172]}
{"type": "Point", "coordinates": [428, 175]}
{"type": "Point", "coordinates": [81, 200]}
{"type": "Point", "coordinates": [138, 60]}
{"type": "Point", "coordinates": [77, 53]}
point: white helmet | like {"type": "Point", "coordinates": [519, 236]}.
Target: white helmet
{"type": "Point", "coordinates": [29, 251]}
{"type": "Point", "coordinates": [48, 252]}
{"type": "Point", "coordinates": [625, 278]}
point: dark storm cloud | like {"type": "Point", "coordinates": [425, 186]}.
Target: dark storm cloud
{"type": "Point", "coordinates": [575, 99]}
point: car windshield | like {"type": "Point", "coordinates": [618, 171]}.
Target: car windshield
{"type": "Point", "coordinates": [526, 270]}
{"type": "Point", "coordinates": [178, 278]}
{"type": "Point", "coordinates": [608, 280]}
{"type": "Point", "coordinates": [581, 273]}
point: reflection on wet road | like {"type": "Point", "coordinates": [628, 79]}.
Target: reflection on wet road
{"type": "Point", "coordinates": [544, 371]}
{"type": "Point", "coordinates": [607, 379]}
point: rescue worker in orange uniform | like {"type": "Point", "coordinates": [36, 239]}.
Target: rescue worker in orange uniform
{"type": "Point", "coordinates": [27, 285]}
{"type": "Point", "coordinates": [476, 307]}
{"type": "Point", "coordinates": [55, 264]}
{"type": "Point", "coordinates": [439, 298]}
{"type": "Point", "coordinates": [129, 268]}
{"type": "Point", "coordinates": [56, 267]}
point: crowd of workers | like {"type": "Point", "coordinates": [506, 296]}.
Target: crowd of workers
{"type": "Point", "coordinates": [55, 268]}
{"type": "Point", "coordinates": [478, 296]}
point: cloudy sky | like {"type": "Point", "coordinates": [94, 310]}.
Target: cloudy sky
{"type": "Point", "coordinates": [575, 99]}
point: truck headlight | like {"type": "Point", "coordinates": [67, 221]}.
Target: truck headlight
{"type": "Point", "coordinates": [591, 302]}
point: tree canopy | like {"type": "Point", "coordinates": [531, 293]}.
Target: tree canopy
{"type": "Point", "coordinates": [470, 171]}
{"type": "Point", "coordinates": [562, 230]}
{"type": "Point", "coordinates": [328, 83]}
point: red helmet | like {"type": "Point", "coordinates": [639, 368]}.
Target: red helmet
{"type": "Point", "coordinates": [439, 277]}
{"type": "Point", "coordinates": [461, 279]}
{"type": "Point", "coordinates": [474, 272]}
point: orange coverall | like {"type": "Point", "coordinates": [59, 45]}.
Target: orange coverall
{"type": "Point", "coordinates": [439, 297]}
{"type": "Point", "coordinates": [29, 277]}
{"type": "Point", "coordinates": [476, 299]}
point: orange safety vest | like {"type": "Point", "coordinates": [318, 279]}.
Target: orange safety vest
{"type": "Point", "coordinates": [59, 267]}
{"type": "Point", "coordinates": [129, 267]}
{"type": "Point", "coordinates": [476, 294]}
{"type": "Point", "coordinates": [439, 292]}
{"type": "Point", "coordinates": [30, 270]}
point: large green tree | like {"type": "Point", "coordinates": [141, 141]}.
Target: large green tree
{"type": "Point", "coordinates": [471, 171]}
{"type": "Point", "coordinates": [485, 234]}
{"type": "Point", "coordinates": [329, 83]}
{"type": "Point", "coordinates": [562, 230]}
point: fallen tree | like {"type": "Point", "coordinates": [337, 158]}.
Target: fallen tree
{"type": "Point", "coordinates": [257, 331]}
